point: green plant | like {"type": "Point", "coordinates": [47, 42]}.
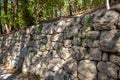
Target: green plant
{"type": "Point", "coordinates": [89, 20]}
{"type": "Point", "coordinates": [40, 27]}
{"type": "Point", "coordinates": [58, 49]}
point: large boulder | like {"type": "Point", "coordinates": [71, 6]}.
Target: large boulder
{"type": "Point", "coordinates": [87, 70]}
{"type": "Point", "coordinates": [108, 69]}
{"type": "Point", "coordinates": [110, 41]}
{"type": "Point", "coordinates": [105, 20]}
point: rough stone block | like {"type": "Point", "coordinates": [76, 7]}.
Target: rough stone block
{"type": "Point", "coordinates": [95, 54]}
{"type": "Point", "coordinates": [105, 57]}
{"type": "Point", "coordinates": [67, 43]}
{"type": "Point", "coordinates": [115, 59]}
{"type": "Point", "coordinates": [93, 34]}
{"type": "Point", "coordinates": [71, 32]}
{"type": "Point", "coordinates": [65, 53]}
{"type": "Point", "coordinates": [110, 41]}
{"type": "Point", "coordinates": [87, 70]}
{"type": "Point", "coordinates": [109, 69]}
{"type": "Point", "coordinates": [78, 53]}
{"type": "Point", "coordinates": [105, 20]}
{"type": "Point", "coordinates": [57, 37]}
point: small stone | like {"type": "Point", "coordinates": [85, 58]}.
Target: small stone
{"type": "Point", "coordinates": [102, 76]}
{"type": "Point", "coordinates": [115, 59]}
{"type": "Point", "coordinates": [56, 45]}
{"type": "Point", "coordinates": [76, 41]}
{"type": "Point", "coordinates": [57, 37]}
{"type": "Point", "coordinates": [90, 43]}
{"type": "Point", "coordinates": [95, 54]}
{"type": "Point", "coordinates": [93, 34]}
{"type": "Point", "coordinates": [57, 62]}
{"type": "Point", "coordinates": [119, 74]}
{"type": "Point", "coordinates": [61, 75]}
{"type": "Point", "coordinates": [67, 43]}
{"type": "Point", "coordinates": [71, 32]}
{"type": "Point", "coordinates": [78, 53]}
{"type": "Point", "coordinates": [65, 53]}
{"type": "Point", "coordinates": [105, 57]}
{"type": "Point", "coordinates": [70, 67]}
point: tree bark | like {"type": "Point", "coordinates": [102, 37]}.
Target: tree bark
{"type": "Point", "coordinates": [40, 15]}
{"type": "Point", "coordinates": [14, 6]}
{"type": "Point", "coordinates": [70, 8]}
{"type": "Point", "coordinates": [107, 4]}
{"type": "Point", "coordinates": [1, 31]}
{"type": "Point", "coordinates": [5, 12]}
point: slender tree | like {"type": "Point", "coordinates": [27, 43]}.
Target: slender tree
{"type": "Point", "coordinates": [40, 15]}
{"type": "Point", "coordinates": [70, 8]}
{"type": "Point", "coordinates": [14, 11]}
{"type": "Point", "coordinates": [1, 32]}
{"type": "Point", "coordinates": [26, 14]}
{"type": "Point", "coordinates": [6, 19]}
{"type": "Point", "coordinates": [107, 4]}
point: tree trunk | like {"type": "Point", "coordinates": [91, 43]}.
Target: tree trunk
{"type": "Point", "coordinates": [40, 15]}
{"type": "Point", "coordinates": [107, 4]}
{"type": "Point", "coordinates": [14, 6]}
{"type": "Point", "coordinates": [1, 31]}
{"type": "Point", "coordinates": [5, 12]}
{"type": "Point", "coordinates": [70, 8]}
{"type": "Point", "coordinates": [27, 18]}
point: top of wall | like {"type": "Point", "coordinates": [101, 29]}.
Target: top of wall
{"type": "Point", "coordinates": [106, 23]}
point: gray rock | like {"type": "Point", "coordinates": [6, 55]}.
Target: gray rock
{"type": "Point", "coordinates": [71, 32]}
{"type": "Point", "coordinates": [108, 68]}
{"type": "Point", "coordinates": [102, 76]}
{"type": "Point", "coordinates": [67, 43]}
{"type": "Point", "coordinates": [56, 45]}
{"type": "Point", "coordinates": [105, 20]}
{"type": "Point", "coordinates": [57, 62]}
{"type": "Point", "coordinates": [118, 23]}
{"type": "Point", "coordinates": [60, 27]}
{"type": "Point", "coordinates": [95, 54]}
{"type": "Point", "coordinates": [57, 37]}
{"type": "Point", "coordinates": [61, 75]}
{"type": "Point", "coordinates": [105, 57]}
{"type": "Point", "coordinates": [70, 67]}
{"type": "Point", "coordinates": [51, 30]}
{"type": "Point", "coordinates": [110, 41]}
{"type": "Point", "coordinates": [76, 41]}
{"type": "Point", "coordinates": [115, 59]}
{"type": "Point", "coordinates": [93, 34]}
{"type": "Point", "coordinates": [78, 52]}
{"type": "Point", "coordinates": [87, 70]}
{"type": "Point", "coordinates": [65, 53]}
{"type": "Point", "coordinates": [92, 43]}
{"type": "Point", "coordinates": [119, 74]}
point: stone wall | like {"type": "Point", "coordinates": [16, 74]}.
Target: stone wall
{"type": "Point", "coordinates": [78, 48]}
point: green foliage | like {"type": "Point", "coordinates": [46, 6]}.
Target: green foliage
{"type": "Point", "coordinates": [28, 10]}
{"type": "Point", "coordinates": [89, 21]}
{"type": "Point", "coordinates": [40, 27]}
{"type": "Point", "coordinates": [88, 24]}
{"type": "Point", "coordinates": [58, 49]}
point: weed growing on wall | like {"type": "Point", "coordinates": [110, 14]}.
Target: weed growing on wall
{"type": "Point", "coordinates": [40, 27]}
{"type": "Point", "coordinates": [88, 24]}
